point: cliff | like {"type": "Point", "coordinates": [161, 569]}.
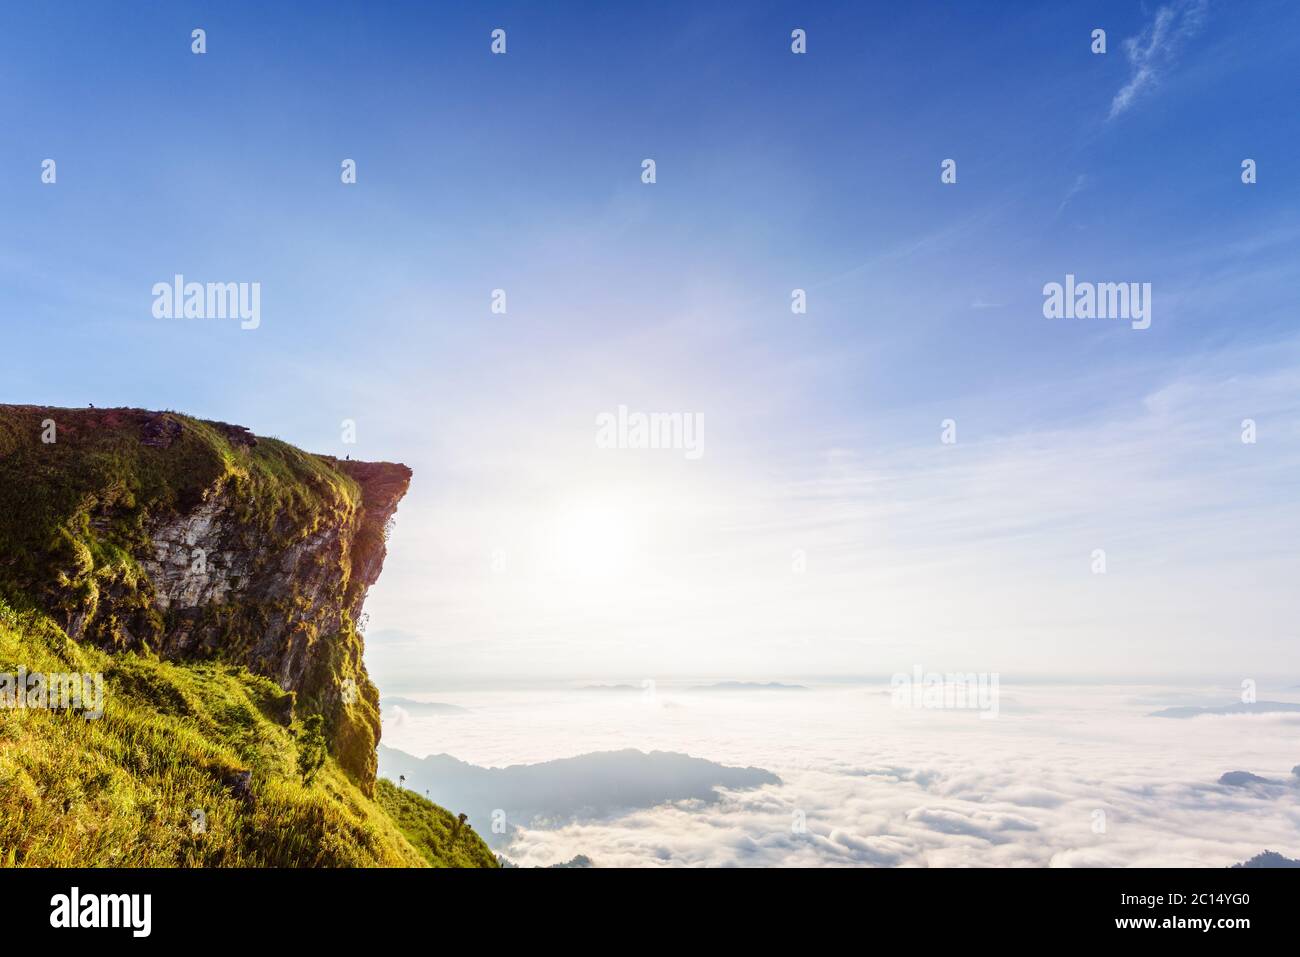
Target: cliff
{"type": "Point", "coordinates": [202, 586]}
{"type": "Point", "coordinates": [197, 541]}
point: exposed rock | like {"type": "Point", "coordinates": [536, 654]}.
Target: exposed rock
{"type": "Point", "coordinates": [196, 540]}
{"type": "Point", "coordinates": [236, 435]}
{"type": "Point", "coordinates": [281, 710]}
{"type": "Point", "coordinates": [240, 784]}
{"type": "Point", "coordinates": [160, 431]}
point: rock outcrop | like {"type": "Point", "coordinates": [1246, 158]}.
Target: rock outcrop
{"type": "Point", "coordinates": [193, 540]}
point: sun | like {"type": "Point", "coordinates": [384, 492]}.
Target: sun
{"type": "Point", "coordinates": [593, 538]}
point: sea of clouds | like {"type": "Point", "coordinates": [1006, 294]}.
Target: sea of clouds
{"type": "Point", "coordinates": [1064, 776]}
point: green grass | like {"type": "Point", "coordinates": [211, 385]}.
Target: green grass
{"type": "Point", "coordinates": [73, 512]}
{"type": "Point", "coordinates": [430, 829]}
{"type": "Point", "coordinates": [160, 779]}
{"type": "Point", "coordinates": [81, 491]}
{"type": "Point", "coordinates": [123, 790]}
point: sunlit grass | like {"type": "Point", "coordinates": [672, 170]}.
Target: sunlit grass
{"type": "Point", "coordinates": [154, 783]}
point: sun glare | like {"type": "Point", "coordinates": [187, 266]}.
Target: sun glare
{"type": "Point", "coordinates": [593, 539]}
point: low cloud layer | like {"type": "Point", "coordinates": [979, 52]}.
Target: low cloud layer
{"type": "Point", "coordinates": [1064, 777]}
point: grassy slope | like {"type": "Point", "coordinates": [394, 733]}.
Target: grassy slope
{"type": "Point", "coordinates": [429, 828]}
{"type": "Point", "coordinates": [122, 790]}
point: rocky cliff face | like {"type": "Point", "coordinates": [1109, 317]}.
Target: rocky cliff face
{"type": "Point", "coordinates": [196, 540]}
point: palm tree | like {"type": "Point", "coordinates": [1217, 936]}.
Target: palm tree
{"type": "Point", "coordinates": [401, 780]}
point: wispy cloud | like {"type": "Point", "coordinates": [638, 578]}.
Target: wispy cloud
{"type": "Point", "coordinates": [1077, 187]}
{"type": "Point", "coordinates": [1157, 47]}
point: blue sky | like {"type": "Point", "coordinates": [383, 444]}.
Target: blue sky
{"type": "Point", "coordinates": [775, 172]}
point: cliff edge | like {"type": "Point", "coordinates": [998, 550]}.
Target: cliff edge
{"type": "Point", "coordinates": [181, 677]}
{"type": "Point", "coordinates": [197, 541]}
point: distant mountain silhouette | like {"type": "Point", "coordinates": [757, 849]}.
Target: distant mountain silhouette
{"type": "Point", "coordinates": [556, 792]}
{"type": "Point", "coordinates": [411, 706]}
{"type": "Point", "coordinates": [748, 686]}
{"type": "Point", "coordinates": [717, 686]}
{"type": "Point", "coordinates": [1269, 859]}
{"type": "Point", "coordinates": [581, 860]}
{"type": "Point", "coordinates": [1259, 707]}
{"type": "Point", "coordinates": [1241, 779]}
